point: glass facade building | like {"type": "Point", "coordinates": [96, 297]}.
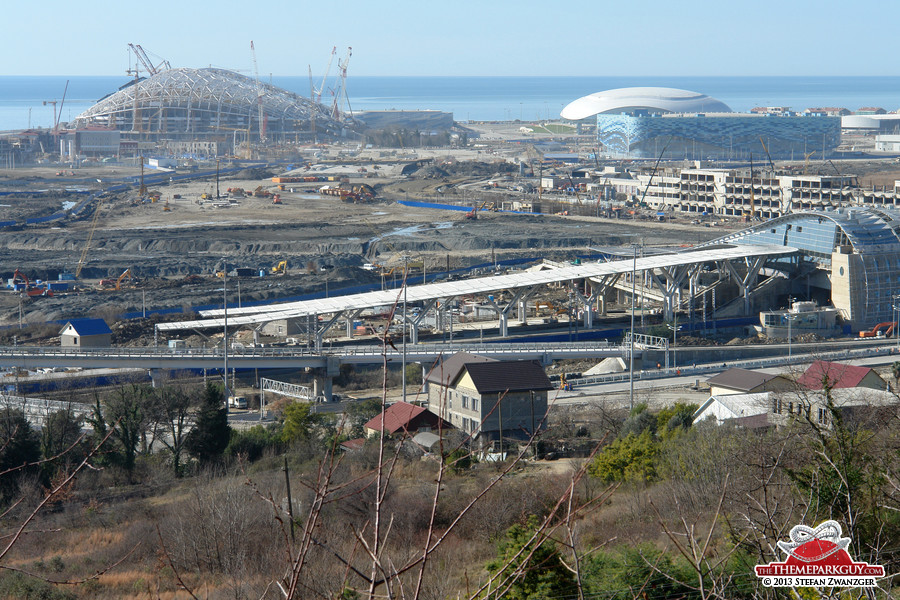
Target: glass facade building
{"type": "Point", "coordinates": [729, 136]}
{"type": "Point", "coordinates": [856, 251]}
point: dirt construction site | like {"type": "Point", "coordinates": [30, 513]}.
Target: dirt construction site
{"type": "Point", "coordinates": [172, 248]}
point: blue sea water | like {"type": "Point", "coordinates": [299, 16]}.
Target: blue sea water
{"type": "Point", "coordinates": [475, 98]}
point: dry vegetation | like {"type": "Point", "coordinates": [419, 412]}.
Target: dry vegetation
{"type": "Point", "coordinates": [652, 508]}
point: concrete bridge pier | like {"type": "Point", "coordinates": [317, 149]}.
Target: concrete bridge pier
{"type": "Point", "coordinates": [156, 377]}
{"type": "Point", "coordinates": [323, 378]}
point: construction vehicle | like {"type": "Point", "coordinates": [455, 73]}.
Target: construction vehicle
{"type": "Point", "coordinates": [280, 268]}
{"type": "Point", "coordinates": [472, 215]}
{"type": "Point", "coordinates": [116, 284]}
{"type": "Point", "coordinates": [166, 206]}
{"type": "Point", "coordinates": [876, 331]}
{"type": "Point", "coordinates": [259, 192]}
{"type": "Point", "coordinates": [87, 244]}
{"type": "Point", "coordinates": [21, 283]}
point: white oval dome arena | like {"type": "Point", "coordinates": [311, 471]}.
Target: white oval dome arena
{"type": "Point", "coordinates": [649, 99]}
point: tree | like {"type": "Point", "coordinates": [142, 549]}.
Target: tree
{"type": "Point", "coordinates": [895, 371]}
{"type": "Point", "coordinates": [169, 409]}
{"type": "Point", "coordinates": [298, 422]}
{"type": "Point", "coordinates": [528, 570]}
{"type": "Point", "coordinates": [61, 430]}
{"type": "Point", "coordinates": [632, 458]}
{"type": "Point", "coordinates": [125, 413]}
{"type": "Point", "coordinates": [19, 446]}
{"type": "Point", "coordinates": [211, 433]}
{"type": "Point", "coordinates": [360, 413]}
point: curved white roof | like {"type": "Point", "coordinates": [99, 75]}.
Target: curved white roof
{"type": "Point", "coordinates": [654, 99]}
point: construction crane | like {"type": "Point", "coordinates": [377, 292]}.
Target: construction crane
{"type": "Point", "coordinates": [342, 86]}
{"type": "Point", "coordinates": [774, 173]}
{"type": "Point", "coordinates": [259, 96]}
{"type": "Point", "coordinates": [87, 244]}
{"type": "Point", "coordinates": [316, 94]}
{"type": "Point", "coordinates": [142, 57]}
{"type": "Point", "coordinates": [58, 115]}
{"type": "Point", "coordinates": [806, 162]}
{"type": "Point", "coordinates": [752, 199]}
{"type": "Point", "coordinates": [768, 156]}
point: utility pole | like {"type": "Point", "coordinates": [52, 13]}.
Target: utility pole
{"type": "Point", "coordinates": [225, 329]}
{"type": "Point", "coordinates": [631, 351]}
{"type": "Point", "coordinates": [403, 374]}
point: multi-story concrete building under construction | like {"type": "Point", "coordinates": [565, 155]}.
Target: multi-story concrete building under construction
{"type": "Point", "coordinates": [679, 124]}
{"type": "Point", "coordinates": [734, 193]}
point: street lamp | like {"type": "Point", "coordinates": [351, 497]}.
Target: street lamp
{"type": "Point", "coordinates": [225, 328]}
{"type": "Point", "coordinates": [790, 319]}
{"type": "Point", "coordinates": [631, 351]}
{"type": "Point", "coordinates": [896, 307]}
{"type": "Point", "coordinates": [673, 327]}
{"type": "Point", "coordinates": [403, 330]}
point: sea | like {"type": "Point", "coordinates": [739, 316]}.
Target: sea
{"type": "Point", "coordinates": [28, 101]}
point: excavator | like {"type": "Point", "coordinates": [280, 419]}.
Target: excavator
{"type": "Point", "coordinates": [116, 284]}
{"type": "Point", "coordinates": [29, 287]}
{"type": "Point", "coordinates": [280, 268]}
{"type": "Point", "coordinates": [888, 328]}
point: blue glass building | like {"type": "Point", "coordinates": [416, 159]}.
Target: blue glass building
{"type": "Point", "coordinates": [854, 252]}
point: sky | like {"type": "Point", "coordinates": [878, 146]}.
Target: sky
{"type": "Point", "coordinates": [462, 37]}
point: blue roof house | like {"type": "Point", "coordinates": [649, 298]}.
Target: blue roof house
{"type": "Point", "coordinates": [86, 333]}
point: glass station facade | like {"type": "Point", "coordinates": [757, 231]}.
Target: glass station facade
{"type": "Point", "coordinates": [856, 250]}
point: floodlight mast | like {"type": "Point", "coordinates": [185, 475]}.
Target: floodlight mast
{"type": "Point", "coordinates": [259, 95]}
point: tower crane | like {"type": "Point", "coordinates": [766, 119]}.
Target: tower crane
{"type": "Point", "coordinates": [259, 95]}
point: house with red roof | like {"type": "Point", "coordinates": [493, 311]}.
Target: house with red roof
{"type": "Point", "coordinates": [404, 419]}
{"type": "Point", "coordinates": [823, 373]}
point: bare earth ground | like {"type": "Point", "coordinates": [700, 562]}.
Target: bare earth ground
{"type": "Point", "coordinates": [190, 240]}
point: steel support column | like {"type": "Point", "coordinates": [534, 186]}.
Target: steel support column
{"type": "Point", "coordinates": [414, 330]}
{"type": "Point", "coordinates": [748, 281]}
{"type": "Point", "coordinates": [504, 312]}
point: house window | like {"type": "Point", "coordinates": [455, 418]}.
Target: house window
{"type": "Point", "coordinates": [474, 403]}
{"type": "Point", "coordinates": [776, 406]}
{"type": "Point", "coordinates": [823, 416]}
{"type": "Point", "coordinates": [465, 402]}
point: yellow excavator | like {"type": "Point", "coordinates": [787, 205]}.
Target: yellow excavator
{"type": "Point", "coordinates": [280, 268]}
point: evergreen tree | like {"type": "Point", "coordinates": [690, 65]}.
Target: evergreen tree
{"type": "Point", "coordinates": [19, 446]}
{"type": "Point", "coordinates": [527, 569]}
{"type": "Point", "coordinates": [209, 437]}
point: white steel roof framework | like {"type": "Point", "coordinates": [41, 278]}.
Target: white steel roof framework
{"type": "Point", "coordinates": [207, 100]}
{"type": "Point", "coordinates": [672, 268]}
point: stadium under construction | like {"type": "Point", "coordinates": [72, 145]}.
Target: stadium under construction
{"type": "Point", "coordinates": [186, 103]}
